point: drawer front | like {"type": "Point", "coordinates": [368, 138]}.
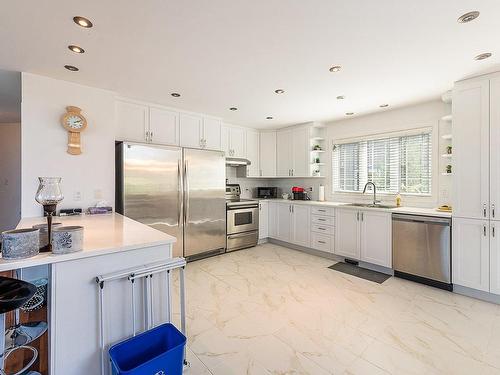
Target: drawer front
{"type": "Point", "coordinates": [325, 211]}
{"type": "Point", "coordinates": [324, 220]}
{"type": "Point", "coordinates": [325, 229]}
{"type": "Point", "coordinates": [321, 242]}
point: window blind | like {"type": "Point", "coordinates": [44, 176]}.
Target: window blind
{"type": "Point", "coordinates": [393, 163]}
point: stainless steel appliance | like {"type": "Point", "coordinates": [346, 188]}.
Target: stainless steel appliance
{"type": "Point", "coordinates": [421, 249]}
{"type": "Point", "coordinates": [242, 219]}
{"type": "Point", "coordinates": [267, 192]}
{"type": "Point", "coordinates": [179, 191]}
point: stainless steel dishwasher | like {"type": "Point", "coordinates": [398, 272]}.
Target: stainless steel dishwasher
{"type": "Point", "coordinates": [421, 249]}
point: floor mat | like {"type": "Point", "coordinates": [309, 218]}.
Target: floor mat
{"type": "Point", "coordinates": [363, 273]}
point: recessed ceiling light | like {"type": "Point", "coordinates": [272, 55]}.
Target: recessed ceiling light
{"type": "Point", "coordinates": [335, 68]}
{"type": "Point", "coordinates": [72, 68]}
{"type": "Point", "coordinates": [383, 105]}
{"type": "Point", "coordinates": [349, 113]}
{"type": "Point", "coordinates": [340, 97]}
{"type": "Point", "coordinates": [83, 22]}
{"type": "Point", "coordinates": [269, 118]}
{"type": "Point", "coordinates": [76, 49]}
{"type": "Point", "coordinates": [467, 17]}
{"type": "Point", "coordinates": [279, 91]}
{"type": "Point", "coordinates": [175, 94]}
{"type": "Point", "coordinates": [233, 109]}
{"type": "Point", "coordinates": [482, 56]}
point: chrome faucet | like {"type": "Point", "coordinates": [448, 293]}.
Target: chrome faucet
{"type": "Point", "coordinates": [375, 201]}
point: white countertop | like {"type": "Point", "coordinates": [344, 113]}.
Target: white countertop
{"type": "Point", "coordinates": [103, 234]}
{"type": "Point", "coordinates": [399, 210]}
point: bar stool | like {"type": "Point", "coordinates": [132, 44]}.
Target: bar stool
{"type": "Point", "coordinates": [13, 294]}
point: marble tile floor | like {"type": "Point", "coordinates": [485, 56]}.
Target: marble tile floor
{"type": "Point", "coordinates": [273, 310]}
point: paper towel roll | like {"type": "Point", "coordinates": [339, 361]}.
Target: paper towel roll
{"type": "Point", "coordinates": [321, 193]}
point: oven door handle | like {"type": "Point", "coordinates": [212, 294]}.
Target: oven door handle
{"type": "Point", "coordinates": [242, 208]}
{"type": "Point", "coordinates": [239, 235]}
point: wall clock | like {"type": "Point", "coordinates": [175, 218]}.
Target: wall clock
{"type": "Point", "coordinates": [74, 122]}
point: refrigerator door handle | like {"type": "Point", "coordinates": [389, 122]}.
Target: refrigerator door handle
{"type": "Point", "coordinates": [179, 192]}
{"type": "Point", "coordinates": [186, 192]}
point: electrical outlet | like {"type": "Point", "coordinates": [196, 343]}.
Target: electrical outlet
{"type": "Point", "coordinates": [77, 196]}
{"type": "Point", "coordinates": [98, 194]}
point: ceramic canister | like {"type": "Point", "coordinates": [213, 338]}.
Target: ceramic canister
{"type": "Point", "coordinates": [20, 243]}
{"type": "Point", "coordinates": [67, 239]}
{"type": "Point", "coordinates": [44, 234]}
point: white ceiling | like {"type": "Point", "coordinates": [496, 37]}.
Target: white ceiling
{"type": "Point", "coordinates": [224, 53]}
{"type": "Point", "coordinates": [10, 97]}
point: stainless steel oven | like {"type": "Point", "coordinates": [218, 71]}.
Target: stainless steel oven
{"type": "Point", "coordinates": [242, 220]}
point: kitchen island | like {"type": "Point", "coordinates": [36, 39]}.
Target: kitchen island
{"type": "Point", "coordinates": [112, 243]}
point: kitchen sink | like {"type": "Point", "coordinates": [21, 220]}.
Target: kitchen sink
{"type": "Point", "coordinates": [371, 205]}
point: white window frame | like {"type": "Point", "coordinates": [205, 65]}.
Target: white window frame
{"type": "Point", "coordinates": [433, 129]}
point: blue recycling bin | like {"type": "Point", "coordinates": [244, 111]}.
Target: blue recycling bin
{"type": "Point", "coordinates": [157, 351]}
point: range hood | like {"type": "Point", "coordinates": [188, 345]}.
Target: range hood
{"type": "Point", "coordinates": [237, 162]}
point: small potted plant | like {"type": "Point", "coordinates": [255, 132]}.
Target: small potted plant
{"type": "Point", "coordinates": [449, 150]}
{"type": "Point", "coordinates": [317, 148]}
{"type": "Point", "coordinates": [448, 168]}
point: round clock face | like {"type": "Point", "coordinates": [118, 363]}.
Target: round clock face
{"type": "Point", "coordinates": [74, 122]}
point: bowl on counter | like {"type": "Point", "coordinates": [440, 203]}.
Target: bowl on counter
{"type": "Point", "coordinates": [67, 239]}
{"type": "Point", "coordinates": [20, 243]}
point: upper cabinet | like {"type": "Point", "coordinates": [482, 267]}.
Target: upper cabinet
{"type": "Point", "coordinates": [267, 154]}
{"type": "Point", "coordinates": [212, 133]}
{"type": "Point", "coordinates": [163, 126]}
{"type": "Point", "coordinates": [132, 121]}
{"type": "Point", "coordinates": [252, 147]}
{"type": "Point", "coordinates": [191, 131]}
{"type": "Point", "coordinates": [299, 152]}
{"type": "Point", "coordinates": [471, 151]}
{"type": "Point", "coordinates": [284, 151]}
{"type": "Point", "coordinates": [233, 141]}
{"type": "Point", "coordinates": [142, 122]}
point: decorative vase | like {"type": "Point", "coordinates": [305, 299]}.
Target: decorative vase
{"type": "Point", "coordinates": [49, 195]}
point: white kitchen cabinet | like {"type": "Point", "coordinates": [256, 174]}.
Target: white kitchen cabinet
{"type": "Point", "coordinates": [471, 149]}
{"type": "Point", "coordinates": [495, 257]}
{"type": "Point", "coordinates": [191, 130]}
{"type": "Point", "coordinates": [234, 141]}
{"type": "Point", "coordinates": [300, 152]}
{"type": "Point", "coordinates": [273, 219]}
{"type": "Point", "coordinates": [263, 220]}
{"type": "Point", "coordinates": [471, 253]}
{"type": "Point", "coordinates": [364, 235]}
{"type": "Point", "coordinates": [494, 148]}
{"type": "Point", "coordinates": [301, 225]}
{"type": "Point", "coordinates": [321, 242]}
{"type": "Point", "coordinates": [376, 238]}
{"type": "Point", "coordinates": [347, 230]}
{"type": "Point", "coordinates": [283, 225]}
{"type": "Point", "coordinates": [211, 133]}
{"type": "Point", "coordinates": [267, 154]}
{"type": "Point", "coordinates": [284, 162]}
{"type": "Point", "coordinates": [132, 121]}
{"type": "Point", "coordinates": [252, 147]}
{"type": "Point", "coordinates": [164, 126]}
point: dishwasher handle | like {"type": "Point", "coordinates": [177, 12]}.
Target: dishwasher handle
{"type": "Point", "coordinates": [422, 219]}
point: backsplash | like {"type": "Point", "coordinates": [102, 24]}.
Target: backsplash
{"type": "Point", "coordinates": [236, 175]}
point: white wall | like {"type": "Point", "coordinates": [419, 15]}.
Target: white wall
{"type": "Point", "coordinates": [44, 142]}
{"type": "Point", "coordinates": [10, 175]}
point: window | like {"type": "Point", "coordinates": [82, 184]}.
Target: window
{"type": "Point", "coordinates": [393, 163]}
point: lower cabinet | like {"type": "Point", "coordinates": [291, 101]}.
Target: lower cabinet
{"type": "Point", "coordinates": [471, 254]}
{"type": "Point", "coordinates": [495, 257]}
{"type": "Point", "coordinates": [263, 220]}
{"type": "Point", "coordinates": [293, 223]}
{"type": "Point", "coordinates": [364, 235]}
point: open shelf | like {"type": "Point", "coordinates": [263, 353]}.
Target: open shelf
{"type": "Point", "coordinates": [446, 174]}
{"type": "Point", "coordinates": [317, 163]}
{"type": "Point", "coordinates": [447, 118]}
{"type": "Point", "coordinates": [317, 139]}
{"type": "Point", "coordinates": [446, 136]}
{"type": "Point", "coordinates": [317, 150]}
{"type": "Point", "coordinates": [448, 156]}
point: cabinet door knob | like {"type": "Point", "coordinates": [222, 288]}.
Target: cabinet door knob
{"type": "Point", "coordinates": [493, 211]}
{"type": "Point", "coordinates": [484, 230]}
{"type": "Point", "coordinates": [484, 210]}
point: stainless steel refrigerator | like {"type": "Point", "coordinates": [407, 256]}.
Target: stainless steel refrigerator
{"type": "Point", "coordinates": [179, 191]}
